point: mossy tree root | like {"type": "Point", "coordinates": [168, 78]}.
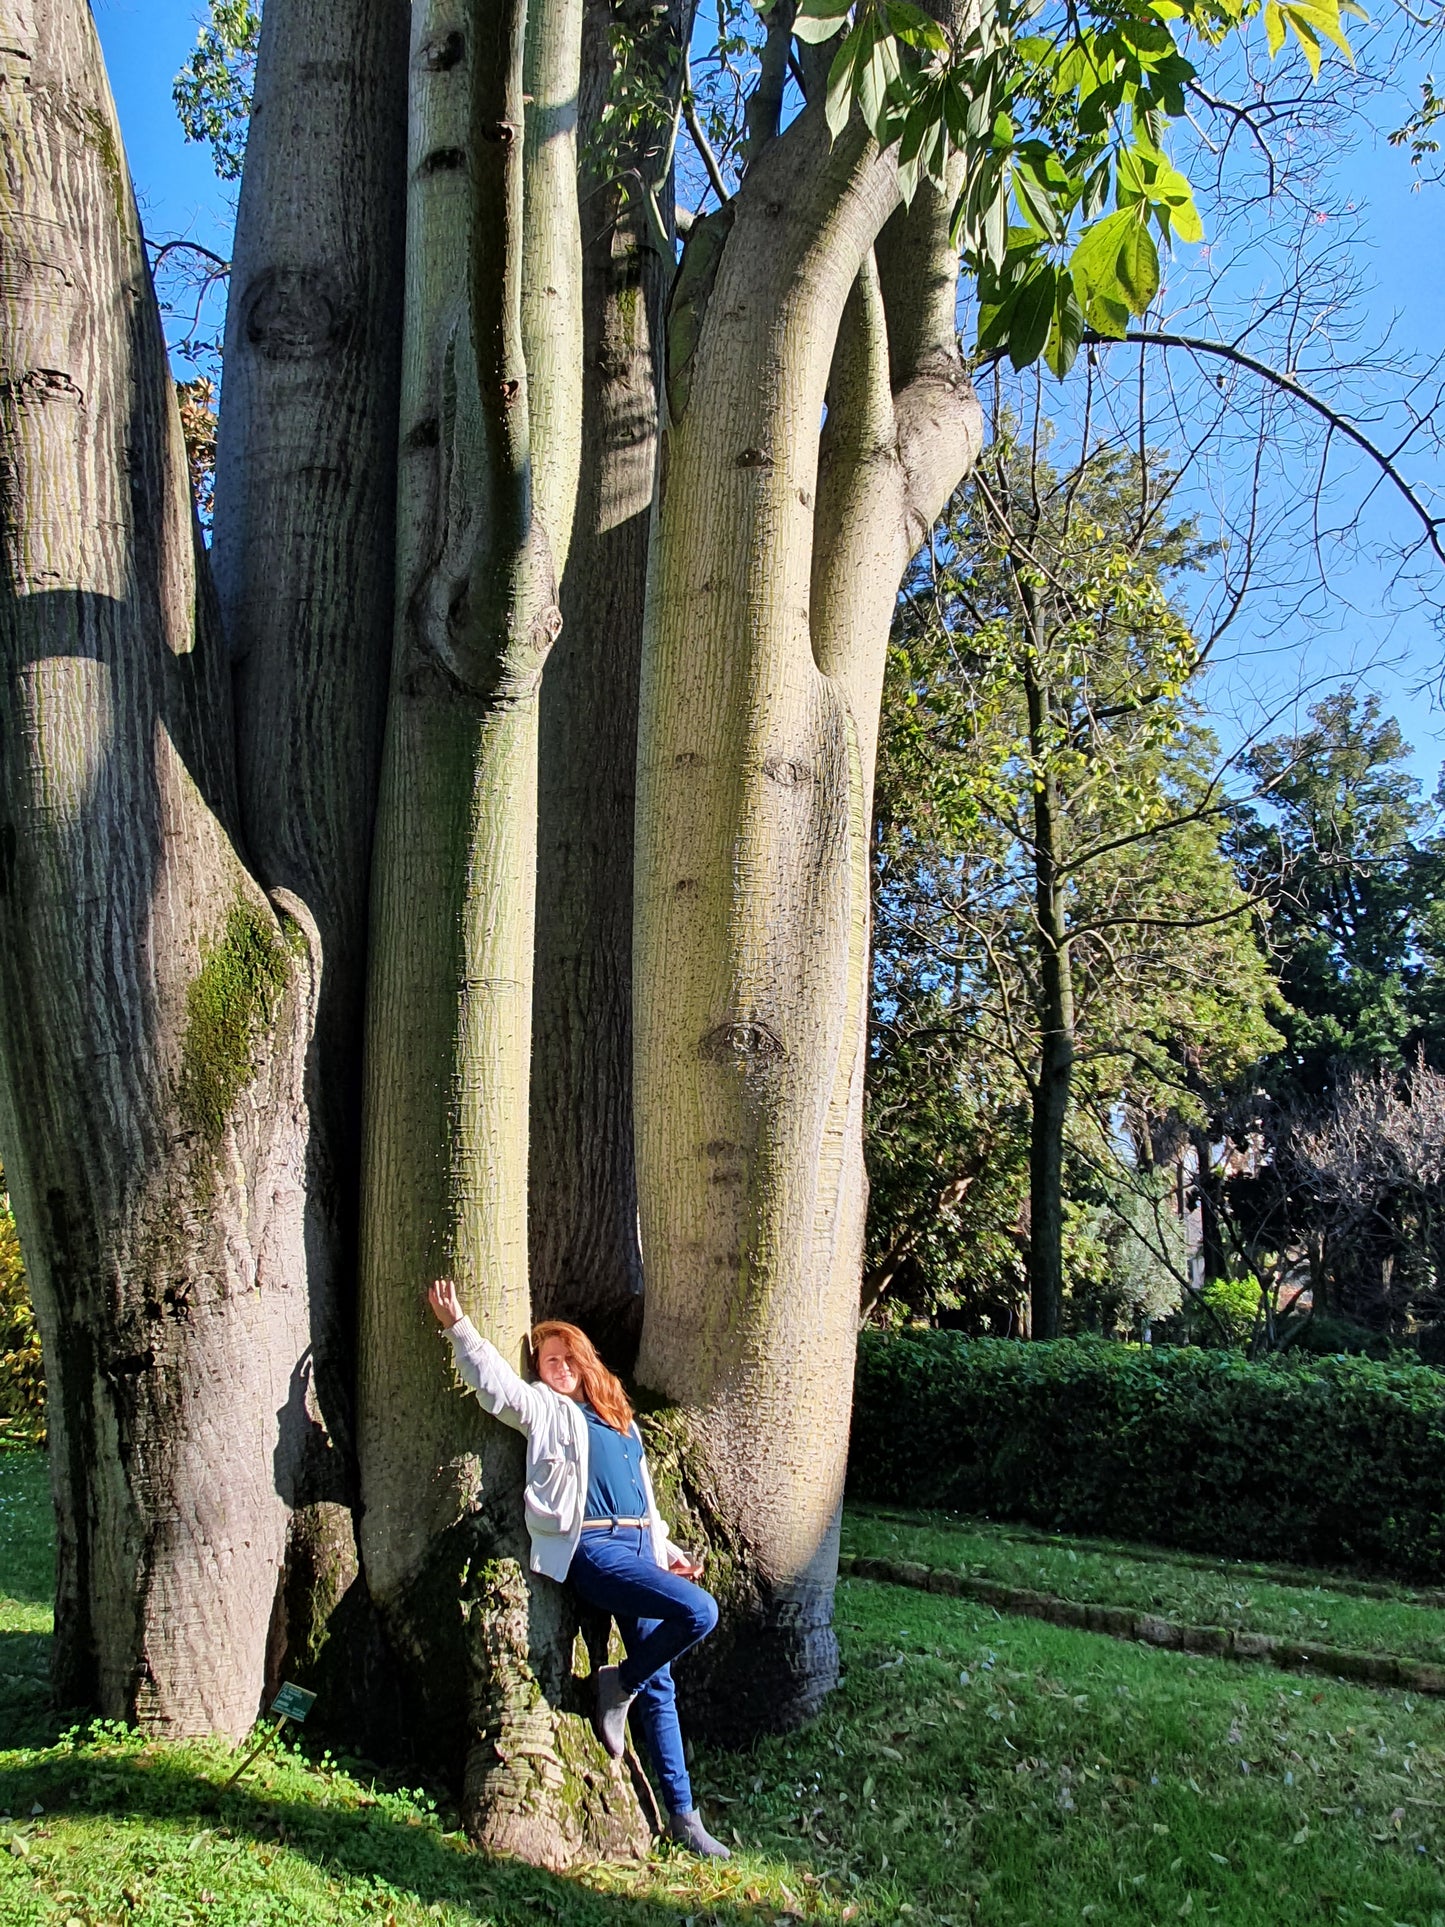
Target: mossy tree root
{"type": "Point", "coordinates": [538, 1783]}
{"type": "Point", "coordinates": [495, 1678]}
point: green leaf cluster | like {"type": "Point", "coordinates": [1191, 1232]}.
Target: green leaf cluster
{"type": "Point", "coordinates": [212, 92]}
{"type": "Point", "coordinates": [1051, 142]}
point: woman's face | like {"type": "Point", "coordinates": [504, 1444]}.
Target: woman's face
{"type": "Point", "coordinates": [555, 1368]}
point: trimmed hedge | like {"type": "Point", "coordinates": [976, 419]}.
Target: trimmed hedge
{"type": "Point", "coordinates": [1303, 1460]}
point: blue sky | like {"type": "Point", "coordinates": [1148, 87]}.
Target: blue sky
{"type": "Point", "coordinates": [146, 42]}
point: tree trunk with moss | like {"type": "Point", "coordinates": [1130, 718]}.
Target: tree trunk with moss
{"type": "Point", "coordinates": [776, 564]}
{"type": "Point", "coordinates": [157, 1006]}
{"type": "Point", "coordinates": [490, 441]}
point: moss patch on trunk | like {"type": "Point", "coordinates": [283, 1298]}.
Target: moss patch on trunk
{"type": "Point", "coordinates": [229, 1007]}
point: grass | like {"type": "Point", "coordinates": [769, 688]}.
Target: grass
{"type": "Point", "coordinates": [27, 1585]}
{"type": "Point", "coordinates": [970, 1769]}
{"type": "Point", "coordinates": [1186, 1589]}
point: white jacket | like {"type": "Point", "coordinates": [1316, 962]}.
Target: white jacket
{"type": "Point", "coordinates": [556, 1434]}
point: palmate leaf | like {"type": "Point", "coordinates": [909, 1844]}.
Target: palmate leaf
{"type": "Point", "coordinates": [1067, 330]}
{"type": "Point", "coordinates": [1033, 315]}
{"type": "Point", "coordinates": [820, 19]}
{"type": "Point", "coordinates": [1052, 125]}
{"type": "Point", "coordinates": [1136, 267]}
{"type": "Point", "coordinates": [923, 144]}
{"type": "Point", "coordinates": [915, 29]}
{"type": "Point", "coordinates": [841, 81]}
{"type": "Point", "coordinates": [874, 77]}
{"type": "Point", "coordinates": [1310, 21]}
{"type": "Point", "coordinates": [1111, 270]}
{"type": "Point", "coordinates": [1036, 201]}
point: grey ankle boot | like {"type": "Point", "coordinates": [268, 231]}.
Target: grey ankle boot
{"type": "Point", "coordinates": [688, 1830]}
{"type": "Point", "coordinates": [613, 1700]}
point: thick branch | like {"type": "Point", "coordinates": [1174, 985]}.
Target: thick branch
{"type": "Point", "coordinates": [551, 268]}
{"type": "Point", "coordinates": [764, 111]}
{"type": "Point", "coordinates": [904, 427]}
{"type": "Point", "coordinates": [497, 256]}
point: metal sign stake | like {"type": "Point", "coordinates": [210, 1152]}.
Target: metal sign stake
{"type": "Point", "coordinates": [291, 1703]}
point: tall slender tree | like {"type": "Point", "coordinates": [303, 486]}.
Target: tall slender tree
{"type": "Point", "coordinates": [1052, 870]}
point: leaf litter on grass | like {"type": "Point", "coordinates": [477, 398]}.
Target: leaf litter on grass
{"type": "Point", "coordinates": [973, 1771]}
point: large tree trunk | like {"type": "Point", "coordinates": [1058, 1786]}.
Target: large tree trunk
{"type": "Point", "coordinates": [583, 1218]}
{"type": "Point", "coordinates": [155, 1008]}
{"type": "Point", "coordinates": [303, 552]}
{"type": "Point", "coordinates": [758, 722]}
{"type": "Point", "coordinates": [490, 416]}
{"type": "Point", "coordinates": [1054, 1076]}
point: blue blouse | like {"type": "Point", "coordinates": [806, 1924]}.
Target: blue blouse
{"type": "Point", "coordinates": [614, 1471]}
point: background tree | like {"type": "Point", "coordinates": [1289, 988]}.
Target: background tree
{"type": "Point", "coordinates": [1372, 1165]}
{"type": "Point", "coordinates": [1050, 870]}
{"type": "Point", "coordinates": [1348, 853]}
{"type": "Point", "coordinates": [1346, 847]}
{"type": "Point", "coordinates": [22, 1371]}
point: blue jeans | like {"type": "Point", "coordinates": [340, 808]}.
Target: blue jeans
{"type": "Point", "coordinates": [659, 1615]}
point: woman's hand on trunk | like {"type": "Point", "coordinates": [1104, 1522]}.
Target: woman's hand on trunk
{"type": "Point", "coordinates": [444, 1302]}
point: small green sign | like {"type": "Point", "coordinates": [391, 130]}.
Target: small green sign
{"type": "Point", "coordinates": [293, 1702]}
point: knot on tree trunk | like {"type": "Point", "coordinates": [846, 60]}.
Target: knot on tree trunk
{"type": "Point", "coordinates": [293, 314]}
{"type": "Point", "coordinates": [743, 1040]}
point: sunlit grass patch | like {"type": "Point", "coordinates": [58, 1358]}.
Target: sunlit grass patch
{"type": "Point", "coordinates": [971, 1769]}
{"type": "Point", "coordinates": [1189, 1592]}
{"type": "Point", "coordinates": [1007, 1770]}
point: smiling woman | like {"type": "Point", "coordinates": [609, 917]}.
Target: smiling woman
{"type": "Point", "coordinates": [593, 1522]}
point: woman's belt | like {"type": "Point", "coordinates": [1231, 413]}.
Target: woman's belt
{"type": "Point", "coordinates": [605, 1525]}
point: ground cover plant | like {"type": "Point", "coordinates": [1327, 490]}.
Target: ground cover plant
{"type": "Point", "coordinates": [1225, 1595]}
{"type": "Point", "coordinates": [970, 1768]}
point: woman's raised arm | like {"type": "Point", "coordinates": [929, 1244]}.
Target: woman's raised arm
{"type": "Point", "coordinates": [501, 1391]}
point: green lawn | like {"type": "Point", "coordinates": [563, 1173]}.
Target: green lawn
{"type": "Point", "coordinates": [27, 1584]}
{"type": "Point", "coordinates": [1185, 1590]}
{"type": "Point", "coordinates": [970, 1769]}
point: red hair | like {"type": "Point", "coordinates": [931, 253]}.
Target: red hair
{"type": "Point", "coordinates": [602, 1389]}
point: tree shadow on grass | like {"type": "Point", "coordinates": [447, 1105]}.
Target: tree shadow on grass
{"type": "Point", "coordinates": [364, 1844]}
{"type": "Point", "coordinates": [27, 1528]}
{"type": "Point", "coordinates": [27, 1712]}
